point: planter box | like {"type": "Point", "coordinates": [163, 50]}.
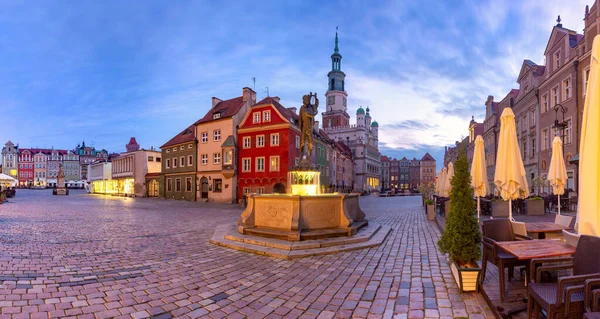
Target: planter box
{"type": "Point", "coordinates": [499, 208]}
{"type": "Point", "coordinates": [535, 207]}
{"type": "Point", "coordinates": [431, 212]}
{"type": "Point", "coordinates": [447, 208]}
{"type": "Point", "coordinates": [467, 279]}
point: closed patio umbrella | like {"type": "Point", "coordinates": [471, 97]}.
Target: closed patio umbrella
{"type": "Point", "coordinates": [588, 216]}
{"type": "Point", "coordinates": [442, 182]}
{"type": "Point", "coordinates": [447, 183]}
{"type": "Point", "coordinates": [478, 172]}
{"type": "Point", "coordinates": [557, 172]}
{"type": "Point", "coordinates": [510, 173]}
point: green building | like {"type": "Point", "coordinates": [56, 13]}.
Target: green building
{"type": "Point", "coordinates": [179, 164]}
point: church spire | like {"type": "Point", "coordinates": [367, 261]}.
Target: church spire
{"type": "Point", "coordinates": [336, 50]}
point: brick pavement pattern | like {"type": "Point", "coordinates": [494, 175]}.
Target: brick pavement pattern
{"type": "Point", "coordinates": [90, 256]}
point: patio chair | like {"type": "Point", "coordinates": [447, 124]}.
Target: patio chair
{"type": "Point", "coordinates": [563, 221]}
{"type": "Point", "coordinates": [592, 299]}
{"type": "Point", "coordinates": [571, 238]}
{"type": "Point", "coordinates": [519, 228]}
{"type": "Point", "coordinates": [499, 230]}
{"type": "Point", "coordinates": [565, 298]}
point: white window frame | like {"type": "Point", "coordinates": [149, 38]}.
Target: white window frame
{"type": "Point", "coordinates": [275, 139]}
{"type": "Point", "coordinates": [567, 88]}
{"type": "Point", "coordinates": [260, 168]}
{"type": "Point", "coordinates": [246, 190]}
{"type": "Point", "coordinates": [169, 184]}
{"type": "Point", "coordinates": [246, 164]}
{"type": "Point", "coordinates": [532, 120]}
{"type": "Point", "coordinates": [544, 139]}
{"type": "Point", "coordinates": [266, 116]}
{"type": "Point", "coordinates": [260, 140]}
{"type": "Point", "coordinates": [297, 142]}
{"type": "Point", "coordinates": [586, 79]}
{"type": "Point", "coordinates": [204, 159]}
{"type": "Point", "coordinates": [556, 60]}
{"type": "Point", "coordinates": [274, 169]}
{"type": "Point", "coordinates": [168, 163]}
{"type": "Point", "coordinates": [247, 142]}
{"type": "Point", "coordinates": [555, 97]}
{"type": "Point", "coordinates": [256, 117]}
{"type": "Point", "coordinates": [568, 131]}
{"type": "Point", "coordinates": [186, 184]}
{"type": "Point", "coordinates": [204, 137]}
{"type": "Point", "coordinates": [260, 190]}
{"type": "Point", "coordinates": [217, 135]}
{"type": "Point", "coordinates": [182, 161]}
{"type": "Point", "coordinates": [190, 160]}
{"type": "Point", "coordinates": [175, 162]}
{"type": "Point", "coordinates": [217, 158]}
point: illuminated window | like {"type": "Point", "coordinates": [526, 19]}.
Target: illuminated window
{"type": "Point", "coordinates": [275, 139]}
{"type": "Point", "coordinates": [217, 185]}
{"type": "Point", "coordinates": [266, 116]}
{"type": "Point", "coordinates": [274, 167]}
{"type": "Point", "coordinates": [260, 141]}
{"type": "Point", "coordinates": [247, 142]}
{"type": "Point", "coordinates": [246, 166]}
{"type": "Point", "coordinates": [256, 117]}
{"type": "Point", "coordinates": [228, 157]}
{"type": "Point", "coordinates": [260, 164]}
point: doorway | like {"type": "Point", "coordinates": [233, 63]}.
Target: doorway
{"type": "Point", "coordinates": [204, 183]}
{"type": "Point", "coordinates": [153, 188]}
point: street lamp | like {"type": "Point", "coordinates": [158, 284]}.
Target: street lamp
{"type": "Point", "coordinates": [560, 125]}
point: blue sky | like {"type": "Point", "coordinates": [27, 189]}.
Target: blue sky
{"type": "Point", "coordinates": [103, 71]}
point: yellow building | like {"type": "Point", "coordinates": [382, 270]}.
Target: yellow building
{"type": "Point", "coordinates": [130, 168]}
{"type": "Point", "coordinates": [217, 144]}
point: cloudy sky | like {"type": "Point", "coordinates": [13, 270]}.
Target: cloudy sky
{"type": "Point", "coordinates": [103, 71]}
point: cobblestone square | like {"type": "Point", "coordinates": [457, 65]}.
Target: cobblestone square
{"type": "Point", "coordinates": [91, 256]}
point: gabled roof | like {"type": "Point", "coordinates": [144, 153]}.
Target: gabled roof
{"type": "Point", "coordinates": [187, 135]}
{"type": "Point", "coordinates": [227, 108]}
{"type": "Point", "coordinates": [384, 158]}
{"type": "Point", "coordinates": [427, 157]}
{"type": "Point", "coordinates": [574, 39]}
{"type": "Point", "coordinates": [573, 36]}
{"type": "Point", "coordinates": [282, 110]}
{"type": "Point", "coordinates": [526, 66]}
{"type": "Point", "coordinates": [404, 159]}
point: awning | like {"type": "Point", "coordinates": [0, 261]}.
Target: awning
{"type": "Point", "coordinates": [574, 159]}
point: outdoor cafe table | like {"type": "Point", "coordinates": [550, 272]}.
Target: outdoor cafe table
{"type": "Point", "coordinates": [545, 227]}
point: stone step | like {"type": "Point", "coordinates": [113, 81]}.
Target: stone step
{"type": "Point", "coordinates": [372, 235]}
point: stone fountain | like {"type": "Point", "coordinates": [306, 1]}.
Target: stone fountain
{"type": "Point", "coordinates": [303, 222]}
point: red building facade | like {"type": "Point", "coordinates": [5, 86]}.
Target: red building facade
{"type": "Point", "coordinates": [26, 167]}
{"type": "Point", "coordinates": [268, 145]}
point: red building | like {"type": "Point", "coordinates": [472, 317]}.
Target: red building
{"type": "Point", "coordinates": [26, 167]}
{"type": "Point", "coordinates": [268, 145]}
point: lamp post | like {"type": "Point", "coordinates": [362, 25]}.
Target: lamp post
{"type": "Point", "coordinates": [560, 125]}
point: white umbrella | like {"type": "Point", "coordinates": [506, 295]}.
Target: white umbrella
{"type": "Point", "coordinates": [588, 218]}
{"type": "Point", "coordinates": [442, 182]}
{"type": "Point", "coordinates": [479, 172]}
{"type": "Point", "coordinates": [510, 172]}
{"type": "Point", "coordinates": [448, 183]}
{"type": "Point", "coordinates": [557, 172]}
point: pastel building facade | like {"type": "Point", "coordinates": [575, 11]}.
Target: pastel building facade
{"type": "Point", "coordinates": [10, 159]}
{"type": "Point", "coordinates": [179, 165]}
{"type": "Point", "coordinates": [100, 178]}
{"type": "Point", "coordinates": [130, 168]}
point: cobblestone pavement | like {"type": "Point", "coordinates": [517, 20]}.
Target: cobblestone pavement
{"type": "Point", "coordinates": [92, 256]}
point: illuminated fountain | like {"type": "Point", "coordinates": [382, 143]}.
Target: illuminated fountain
{"type": "Point", "coordinates": [303, 222]}
{"type": "Point", "coordinates": [303, 212]}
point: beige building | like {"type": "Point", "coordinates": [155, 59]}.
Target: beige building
{"type": "Point", "coordinates": [427, 170]}
{"type": "Point", "coordinates": [130, 168]}
{"type": "Point", "coordinates": [216, 133]}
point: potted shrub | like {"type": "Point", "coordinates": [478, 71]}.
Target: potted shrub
{"type": "Point", "coordinates": [430, 209]}
{"type": "Point", "coordinates": [427, 190]}
{"type": "Point", "coordinates": [535, 205]}
{"type": "Point", "coordinates": [461, 239]}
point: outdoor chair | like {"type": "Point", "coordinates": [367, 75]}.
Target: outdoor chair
{"type": "Point", "coordinates": [571, 238]}
{"type": "Point", "coordinates": [592, 299]}
{"type": "Point", "coordinates": [563, 221]}
{"type": "Point", "coordinates": [499, 230]}
{"type": "Point", "coordinates": [565, 298]}
{"type": "Point", "coordinates": [519, 228]}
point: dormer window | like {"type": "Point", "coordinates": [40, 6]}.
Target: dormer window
{"type": "Point", "coordinates": [266, 116]}
{"type": "Point", "coordinates": [216, 116]}
{"type": "Point", "coordinates": [256, 117]}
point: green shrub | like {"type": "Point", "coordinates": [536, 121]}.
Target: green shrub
{"type": "Point", "coordinates": [462, 238]}
{"type": "Point", "coordinates": [429, 202]}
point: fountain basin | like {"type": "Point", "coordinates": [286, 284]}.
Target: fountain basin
{"type": "Point", "coordinates": [301, 217]}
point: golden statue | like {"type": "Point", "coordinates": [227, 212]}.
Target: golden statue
{"type": "Point", "coordinates": [307, 122]}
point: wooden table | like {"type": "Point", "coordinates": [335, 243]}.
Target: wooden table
{"type": "Point", "coordinates": [545, 227]}
{"type": "Point", "coordinates": [537, 248]}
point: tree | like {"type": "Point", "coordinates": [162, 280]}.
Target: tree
{"type": "Point", "coordinates": [461, 238]}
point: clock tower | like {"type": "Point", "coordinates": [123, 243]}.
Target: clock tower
{"type": "Point", "coordinates": [335, 114]}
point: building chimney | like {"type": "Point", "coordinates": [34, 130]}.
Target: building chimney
{"type": "Point", "coordinates": [215, 101]}
{"type": "Point", "coordinates": [316, 126]}
{"type": "Point", "coordinates": [292, 109]}
{"type": "Point", "coordinates": [276, 98]}
{"type": "Point", "coordinates": [249, 96]}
